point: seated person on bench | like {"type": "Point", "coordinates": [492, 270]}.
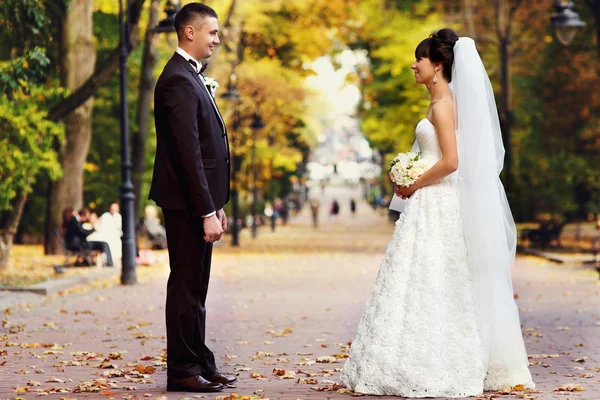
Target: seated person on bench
{"type": "Point", "coordinates": [75, 234]}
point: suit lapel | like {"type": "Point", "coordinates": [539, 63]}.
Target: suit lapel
{"type": "Point", "coordinates": [203, 87]}
{"type": "Point", "coordinates": [213, 102]}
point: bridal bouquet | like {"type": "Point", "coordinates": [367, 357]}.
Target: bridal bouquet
{"type": "Point", "coordinates": [406, 168]}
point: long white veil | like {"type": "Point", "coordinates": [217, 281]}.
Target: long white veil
{"type": "Point", "coordinates": [489, 227]}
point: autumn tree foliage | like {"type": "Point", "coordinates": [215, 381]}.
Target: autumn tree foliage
{"type": "Point", "coordinates": [27, 136]}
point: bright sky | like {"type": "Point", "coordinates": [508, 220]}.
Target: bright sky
{"type": "Point", "coordinates": [341, 94]}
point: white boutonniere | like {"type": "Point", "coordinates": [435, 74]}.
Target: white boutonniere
{"type": "Point", "coordinates": [212, 85]}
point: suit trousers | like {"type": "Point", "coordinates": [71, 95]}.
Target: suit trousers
{"type": "Point", "coordinates": [189, 258]}
{"type": "Point", "coordinates": [103, 247]}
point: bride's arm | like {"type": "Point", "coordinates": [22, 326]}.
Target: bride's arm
{"type": "Point", "coordinates": [443, 119]}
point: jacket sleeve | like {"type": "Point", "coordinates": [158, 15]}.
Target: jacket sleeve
{"type": "Point", "coordinates": [181, 102]}
{"type": "Point", "coordinates": [80, 232]}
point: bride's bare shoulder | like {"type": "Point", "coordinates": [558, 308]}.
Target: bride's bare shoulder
{"type": "Point", "coordinates": [443, 110]}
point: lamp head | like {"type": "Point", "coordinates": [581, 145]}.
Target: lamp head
{"type": "Point", "coordinates": [565, 22]}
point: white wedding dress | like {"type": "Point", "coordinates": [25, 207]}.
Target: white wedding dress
{"type": "Point", "coordinates": [418, 336]}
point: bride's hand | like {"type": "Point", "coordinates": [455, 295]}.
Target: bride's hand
{"type": "Point", "coordinates": [403, 192]}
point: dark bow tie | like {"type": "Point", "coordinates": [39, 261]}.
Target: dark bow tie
{"type": "Point", "coordinates": [204, 66]}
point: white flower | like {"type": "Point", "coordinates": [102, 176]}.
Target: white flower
{"type": "Point", "coordinates": [414, 173]}
{"type": "Point", "coordinates": [212, 85]}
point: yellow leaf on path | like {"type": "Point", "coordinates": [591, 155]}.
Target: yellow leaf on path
{"type": "Point", "coordinates": [309, 374]}
{"type": "Point", "coordinates": [52, 379]}
{"type": "Point", "coordinates": [148, 369]}
{"type": "Point", "coordinates": [342, 356]}
{"type": "Point", "coordinates": [540, 356]}
{"type": "Point", "coordinates": [22, 389]}
{"type": "Point", "coordinates": [284, 374]}
{"type": "Point", "coordinates": [569, 388]}
{"type": "Point", "coordinates": [326, 359]}
{"type": "Point", "coordinates": [33, 383]}
{"type": "Point", "coordinates": [305, 363]}
{"type": "Point", "coordinates": [159, 397]}
{"type": "Point", "coordinates": [258, 376]}
{"type": "Point", "coordinates": [310, 381]}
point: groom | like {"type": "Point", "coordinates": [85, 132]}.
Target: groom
{"type": "Point", "coordinates": [191, 184]}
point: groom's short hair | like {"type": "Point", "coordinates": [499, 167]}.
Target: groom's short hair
{"type": "Point", "coordinates": [190, 14]}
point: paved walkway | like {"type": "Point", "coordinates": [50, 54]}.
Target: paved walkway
{"type": "Point", "coordinates": [288, 302]}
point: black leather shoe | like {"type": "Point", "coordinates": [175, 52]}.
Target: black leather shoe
{"type": "Point", "coordinates": [219, 377]}
{"type": "Point", "coordinates": [194, 383]}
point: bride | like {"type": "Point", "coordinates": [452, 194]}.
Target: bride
{"type": "Point", "coordinates": [441, 320]}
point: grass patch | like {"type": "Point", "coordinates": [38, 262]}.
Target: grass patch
{"type": "Point", "coordinates": [28, 265]}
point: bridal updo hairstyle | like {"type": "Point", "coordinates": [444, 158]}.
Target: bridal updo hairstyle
{"type": "Point", "coordinates": [439, 48]}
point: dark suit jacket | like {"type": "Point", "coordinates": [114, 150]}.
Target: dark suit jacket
{"type": "Point", "coordinates": [191, 168]}
{"type": "Point", "coordinates": [75, 235]}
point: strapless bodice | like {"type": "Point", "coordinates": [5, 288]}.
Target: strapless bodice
{"type": "Point", "coordinates": [428, 142]}
{"type": "Point", "coordinates": [429, 146]}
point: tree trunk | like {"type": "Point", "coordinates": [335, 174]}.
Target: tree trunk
{"type": "Point", "coordinates": [9, 222]}
{"type": "Point", "coordinates": [595, 6]}
{"type": "Point", "coordinates": [144, 102]}
{"type": "Point", "coordinates": [468, 15]}
{"type": "Point", "coordinates": [505, 111]}
{"type": "Point", "coordinates": [101, 74]}
{"type": "Point", "coordinates": [77, 65]}
{"type": "Point", "coordinates": [503, 24]}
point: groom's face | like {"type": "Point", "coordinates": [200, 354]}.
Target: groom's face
{"type": "Point", "coordinates": [206, 37]}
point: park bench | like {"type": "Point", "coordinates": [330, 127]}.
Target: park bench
{"type": "Point", "coordinates": [85, 254]}
{"type": "Point", "coordinates": [546, 235]}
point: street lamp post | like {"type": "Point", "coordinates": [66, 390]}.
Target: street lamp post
{"type": "Point", "coordinates": [233, 95]}
{"type": "Point", "coordinates": [257, 124]}
{"type": "Point", "coordinates": [128, 275]}
{"type": "Point", "coordinates": [565, 21]}
{"type": "Point", "coordinates": [167, 25]}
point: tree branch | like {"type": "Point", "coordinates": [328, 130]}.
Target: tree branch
{"type": "Point", "coordinates": [511, 13]}
{"type": "Point", "coordinates": [499, 20]}
{"type": "Point", "coordinates": [102, 73]}
{"type": "Point", "coordinates": [515, 7]}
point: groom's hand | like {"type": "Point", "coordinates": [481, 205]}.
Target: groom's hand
{"type": "Point", "coordinates": [213, 229]}
{"type": "Point", "coordinates": [222, 219]}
